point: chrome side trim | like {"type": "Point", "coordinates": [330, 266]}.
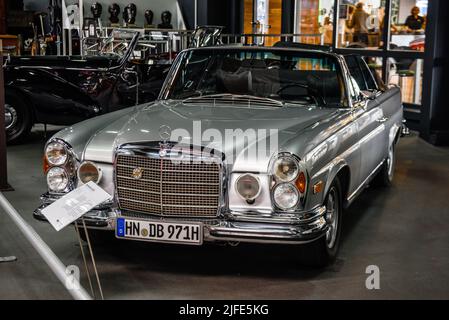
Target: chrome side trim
{"type": "Point", "coordinates": [359, 189]}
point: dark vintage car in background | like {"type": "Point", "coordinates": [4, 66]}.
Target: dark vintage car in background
{"type": "Point", "coordinates": [63, 90]}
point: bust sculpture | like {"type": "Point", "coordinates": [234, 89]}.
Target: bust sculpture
{"type": "Point", "coordinates": [166, 20]}
{"type": "Point", "coordinates": [149, 15]}
{"type": "Point", "coordinates": [129, 14]}
{"type": "Point", "coordinates": [96, 9]}
{"type": "Point", "coordinates": [114, 11]}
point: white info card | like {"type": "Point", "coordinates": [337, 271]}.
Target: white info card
{"type": "Point", "coordinates": [74, 205]}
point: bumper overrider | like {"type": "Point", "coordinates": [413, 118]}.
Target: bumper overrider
{"type": "Point", "coordinates": [295, 228]}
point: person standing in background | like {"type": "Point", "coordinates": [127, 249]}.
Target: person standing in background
{"type": "Point", "coordinates": [358, 22]}
{"type": "Point", "coordinates": [327, 30]}
{"type": "Point", "coordinates": [414, 21]}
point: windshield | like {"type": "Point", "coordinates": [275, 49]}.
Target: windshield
{"type": "Point", "coordinates": [288, 76]}
{"type": "Point", "coordinates": [117, 44]}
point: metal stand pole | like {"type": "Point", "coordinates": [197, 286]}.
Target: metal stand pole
{"type": "Point", "coordinates": [84, 259]}
{"type": "Point", "coordinates": [4, 186]}
{"type": "Point", "coordinates": [58, 268]}
{"type": "Point", "coordinates": [3, 169]}
{"type": "Point", "coordinates": [89, 245]}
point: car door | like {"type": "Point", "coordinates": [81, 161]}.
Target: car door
{"type": "Point", "coordinates": [369, 116]}
{"type": "Point", "coordinates": [389, 100]}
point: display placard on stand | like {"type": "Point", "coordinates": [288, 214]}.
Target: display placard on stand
{"type": "Point", "coordinates": [71, 208]}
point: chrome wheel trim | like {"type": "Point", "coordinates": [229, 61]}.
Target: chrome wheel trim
{"type": "Point", "coordinates": [10, 116]}
{"type": "Point", "coordinates": [332, 216]}
{"type": "Point", "coordinates": [390, 162]}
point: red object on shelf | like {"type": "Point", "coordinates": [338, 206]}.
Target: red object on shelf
{"type": "Point", "coordinates": [418, 44]}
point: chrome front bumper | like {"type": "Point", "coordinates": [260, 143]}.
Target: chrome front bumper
{"type": "Point", "coordinates": [233, 226]}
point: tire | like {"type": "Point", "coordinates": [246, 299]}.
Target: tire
{"type": "Point", "coordinates": [18, 119]}
{"type": "Point", "coordinates": [322, 252]}
{"type": "Point", "coordinates": [385, 176]}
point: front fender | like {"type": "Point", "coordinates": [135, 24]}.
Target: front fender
{"type": "Point", "coordinates": [55, 100]}
{"type": "Point", "coordinates": [326, 175]}
{"type": "Point", "coordinates": [79, 135]}
{"type": "Point", "coordinates": [393, 134]}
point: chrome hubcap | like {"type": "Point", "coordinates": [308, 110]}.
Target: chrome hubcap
{"type": "Point", "coordinates": [10, 116]}
{"type": "Point", "coordinates": [332, 219]}
{"type": "Point", "coordinates": [390, 161]}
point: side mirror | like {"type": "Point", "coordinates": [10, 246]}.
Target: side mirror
{"type": "Point", "coordinates": [370, 95]}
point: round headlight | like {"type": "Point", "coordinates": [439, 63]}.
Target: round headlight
{"type": "Point", "coordinates": [248, 187]}
{"type": "Point", "coordinates": [285, 168]}
{"type": "Point", "coordinates": [88, 171]}
{"type": "Point", "coordinates": [56, 153]}
{"type": "Point", "coordinates": [57, 179]}
{"type": "Point", "coordinates": [285, 196]}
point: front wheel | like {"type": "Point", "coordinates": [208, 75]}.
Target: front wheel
{"type": "Point", "coordinates": [323, 251]}
{"type": "Point", "coordinates": [18, 121]}
{"type": "Point", "coordinates": [386, 174]}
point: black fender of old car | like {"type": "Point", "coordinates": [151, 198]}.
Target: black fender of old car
{"type": "Point", "coordinates": [50, 98]}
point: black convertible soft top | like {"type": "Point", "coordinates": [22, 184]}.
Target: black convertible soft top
{"type": "Point", "coordinates": [78, 62]}
{"type": "Point", "coordinates": [291, 44]}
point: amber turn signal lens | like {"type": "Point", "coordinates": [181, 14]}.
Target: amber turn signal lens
{"type": "Point", "coordinates": [45, 164]}
{"type": "Point", "coordinates": [301, 182]}
{"type": "Point", "coordinates": [318, 187]}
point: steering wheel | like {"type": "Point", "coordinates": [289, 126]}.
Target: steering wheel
{"type": "Point", "coordinates": [301, 85]}
{"type": "Point", "coordinates": [292, 85]}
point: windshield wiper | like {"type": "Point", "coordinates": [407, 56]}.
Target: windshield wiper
{"type": "Point", "coordinates": [237, 99]}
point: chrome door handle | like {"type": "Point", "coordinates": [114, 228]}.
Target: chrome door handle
{"type": "Point", "coordinates": [382, 120]}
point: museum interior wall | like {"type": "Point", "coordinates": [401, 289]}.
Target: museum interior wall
{"type": "Point", "coordinates": [157, 6]}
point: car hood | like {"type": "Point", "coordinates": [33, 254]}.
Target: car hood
{"type": "Point", "coordinates": [145, 125]}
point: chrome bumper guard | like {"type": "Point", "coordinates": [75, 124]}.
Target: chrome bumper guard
{"type": "Point", "coordinates": [233, 226]}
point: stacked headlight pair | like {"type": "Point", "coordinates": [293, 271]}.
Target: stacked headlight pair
{"type": "Point", "coordinates": [57, 166]}
{"type": "Point", "coordinates": [60, 168]}
{"type": "Point", "coordinates": [289, 182]}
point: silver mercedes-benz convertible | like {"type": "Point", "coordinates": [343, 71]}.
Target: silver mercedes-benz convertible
{"type": "Point", "coordinates": [244, 144]}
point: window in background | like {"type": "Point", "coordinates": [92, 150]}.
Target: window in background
{"type": "Point", "coordinates": [375, 65]}
{"type": "Point", "coordinates": [360, 24]}
{"type": "Point", "coordinates": [314, 18]}
{"type": "Point", "coordinates": [408, 23]}
{"type": "Point", "coordinates": [262, 17]}
{"type": "Point", "coordinates": [407, 74]}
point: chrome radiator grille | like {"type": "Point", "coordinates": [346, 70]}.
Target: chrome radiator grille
{"type": "Point", "coordinates": [168, 188]}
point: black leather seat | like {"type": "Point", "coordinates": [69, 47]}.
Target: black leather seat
{"type": "Point", "coordinates": [325, 85]}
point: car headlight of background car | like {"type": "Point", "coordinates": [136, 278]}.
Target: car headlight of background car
{"type": "Point", "coordinates": [289, 182]}
{"type": "Point", "coordinates": [59, 166]}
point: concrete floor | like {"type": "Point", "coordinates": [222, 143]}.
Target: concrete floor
{"type": "Point", "coordinates": [404, 230]}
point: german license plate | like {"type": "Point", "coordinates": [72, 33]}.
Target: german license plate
{"type": "Point", "coordinates": [187, 233]}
